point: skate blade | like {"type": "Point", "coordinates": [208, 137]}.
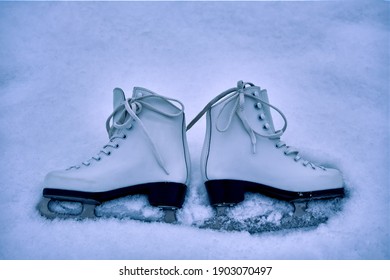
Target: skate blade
{"type": "Point", "coordinates": [169, 215]}
{"type": "Point", "coordinates": [299, 209]}
{"type": "Point", "coordinates": [302, 216]}
{"type": "Point", "coordinates": [221, 220]}
{"type": "Point", "coordinates": [88, 211]}
{"type": "Point", "coordinates": [222, 209]}
{"type": "Point", "coordinates": [260, 225]}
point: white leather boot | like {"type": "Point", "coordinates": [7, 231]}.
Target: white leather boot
{"type": "Point", "coordinates": [243, 152]}
{"type": "Point", "coordinates": [147, 153]}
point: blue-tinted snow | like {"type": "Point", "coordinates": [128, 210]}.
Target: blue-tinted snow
{"type": "Point", "coordinates": [325, 65]}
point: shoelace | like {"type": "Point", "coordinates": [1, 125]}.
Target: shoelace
{"type": "Point", "coordinates": [238, 96]}
{"type": "Point", "coordinates": [126, 113]}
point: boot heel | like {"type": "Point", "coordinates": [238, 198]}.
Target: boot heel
{"type": "Point", "coordinates": [167, 194]}
{"type": "Point", "coordinates": [223, 192]}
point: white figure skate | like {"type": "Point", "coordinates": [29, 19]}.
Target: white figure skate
{"type": "Point", "coordinates": [243, 152]}
{"type": "Point", "coordinates": [147, 153]}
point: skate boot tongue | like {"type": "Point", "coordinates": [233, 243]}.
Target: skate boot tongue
{"type": "Point", "coordinates": [118, 98]}
{"type": "Point", "coordinates": [141, 92]}
{"type": "Point", "coordinates": [120, 115]}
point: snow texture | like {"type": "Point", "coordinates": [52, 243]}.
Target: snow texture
{"type": "Point", "coordinates": [324, 64]}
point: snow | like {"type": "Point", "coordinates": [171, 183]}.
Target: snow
{"type": "Point", "coordinates": [324, 64]}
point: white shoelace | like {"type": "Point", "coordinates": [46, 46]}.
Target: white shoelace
{"type": "Point", "coordinates": [238, 96]}
{"type": "Point", "coordinates": [125, 114]}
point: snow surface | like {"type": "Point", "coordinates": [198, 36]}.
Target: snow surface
{"type": "Point", "coordinates": [325, 65]}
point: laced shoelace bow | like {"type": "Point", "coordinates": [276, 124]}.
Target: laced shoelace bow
{"type": "Point", "coordinates": [127, 113]}
{"type": "Point", "coordinates": [237, 96]}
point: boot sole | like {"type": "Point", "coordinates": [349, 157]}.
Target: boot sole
{"type": "Point", "coordinates": [160, 194]}
{"type": "Point", "coordinates": [223, 192]}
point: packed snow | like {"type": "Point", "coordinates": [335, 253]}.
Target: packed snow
{"type": "Point", "coordinates": [324, 64]}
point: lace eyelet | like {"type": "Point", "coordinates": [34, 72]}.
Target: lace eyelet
{"type": "Point", "coordinates": [285, 153]}
{"type": "Point", "coordinates": [261, 116]}
{"type": "Point", "coordinates": [266, 126]}
{"type": "Point", "coordinates": [258, 105]}
{"type": "Point", "coordinates": [124, 136]}
{"type": "Point", "coordinates": [99, 158]}
{"type": "Point", "coordinates": [109, 153]}
{"type": "Point", "coordinates": [117, 146]}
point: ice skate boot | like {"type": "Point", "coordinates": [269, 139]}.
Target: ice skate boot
{"type": "Point", "coordinates": [147, 154]}
{"type": "Point", "coordinates": [243, 152]}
